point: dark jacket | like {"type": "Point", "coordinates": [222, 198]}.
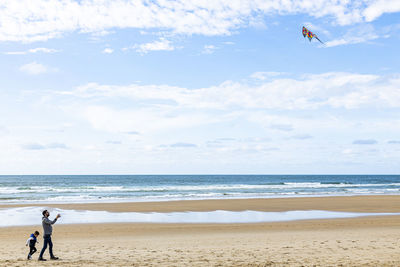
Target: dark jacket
{"type": "Point", "coordinates": [47, 226]}
{"type": "Point", "coordinates": [31, 240]}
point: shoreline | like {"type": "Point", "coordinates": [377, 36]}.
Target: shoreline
{"type": "Point", "coordinates": [371, 203]}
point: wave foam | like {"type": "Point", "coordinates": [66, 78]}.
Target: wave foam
{"type": "Point", "coordinates": [180, 188]}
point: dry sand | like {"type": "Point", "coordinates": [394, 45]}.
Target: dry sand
{"type": "Point", "coordinates": [366, 241]}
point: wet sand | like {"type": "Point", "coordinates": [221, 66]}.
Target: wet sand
{"type": "Point", "coordinates": [347, 204]}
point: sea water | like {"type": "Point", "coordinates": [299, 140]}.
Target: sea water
{"type": "Point", "coordinates": [121, 188]}
{"type": "Point", "coordinates": [32, 216]}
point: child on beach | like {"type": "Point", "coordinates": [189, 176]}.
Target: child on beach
{"type": "Point", "coordinates": [31, 242]}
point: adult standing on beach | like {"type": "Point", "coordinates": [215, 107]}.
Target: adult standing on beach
{"type": "Point", "coordinates": [47, 231]}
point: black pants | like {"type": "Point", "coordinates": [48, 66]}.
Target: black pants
{"type": "Point", "coordinates": [32, 250]}
{"type": "Point", "coordinates": [47, 241]}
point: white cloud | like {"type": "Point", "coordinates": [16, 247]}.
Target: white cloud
{"type": "Point", "coordinates": [43, 50]}
{"type": "Point", "coordinates": [334, 90]}
{"type": "Point", "coordinates": [163, 108]}
{"type": "Point", "coordinates": [40, 20]}
{"type": "Point", "coordinates": [3, 130]}
{"type": "Point", "coordinates": [34, 51]}
{"type": "Point", "coordinates": [34, 68]}
{"type": "Point", "coordinates": [57, 146]}
{"type": "Point", "coordinates": [16, 53]}
{"type": "Point", "coordinates": [365, 142]}
{"type": "Point", "coordinates": [108, 50]}
{"type": "Point", "coordinates": [356, 35]}
{"type": "Point", "coordinates": [147, 120]}
{"type": "Point", "coordinates": [302, 136]}
{"type": "Point", "coordinates": [348, 151]}
{"type": "Point", "coordinates": [379, 7]}
{"type": "Point", "coordinates": [38, 146]}
{"type": "Point", "coordinates": [159, 45]}
{"type": "Point", "coordinates": [209, 49]}
{"type": "Point", "coordinates": [264, 75]}
{"type": "Point", "coordinates": [183, 145]}
{"type": "Point", "coordinates": [281, 127]}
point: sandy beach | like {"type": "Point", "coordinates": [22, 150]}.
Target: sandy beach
{"type": "Point", "coordinates": [364, 241]}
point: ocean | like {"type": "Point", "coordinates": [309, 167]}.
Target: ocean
{"type": "Point", "coordinates": [123, 188]}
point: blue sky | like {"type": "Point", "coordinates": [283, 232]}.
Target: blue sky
{"type": "Point", "coordinates": [126, 87]}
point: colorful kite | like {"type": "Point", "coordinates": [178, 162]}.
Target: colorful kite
{"type": "Point", "coordinates": [310, 35]}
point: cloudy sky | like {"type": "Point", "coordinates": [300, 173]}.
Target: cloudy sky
{"type": "Point", "coordinates": [175, 87]}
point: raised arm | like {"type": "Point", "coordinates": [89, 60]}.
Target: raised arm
{"type": "Point", "coordinates": [48, 221]}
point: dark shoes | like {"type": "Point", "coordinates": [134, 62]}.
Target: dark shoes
{"type": "Point", "coordinates": [52, 258]}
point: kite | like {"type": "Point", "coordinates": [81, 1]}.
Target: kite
{"type": "Point", "coordinates": [310, 35]}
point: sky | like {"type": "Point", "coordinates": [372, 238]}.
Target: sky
{"type": "Point", "coordinates": [199, 87]}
